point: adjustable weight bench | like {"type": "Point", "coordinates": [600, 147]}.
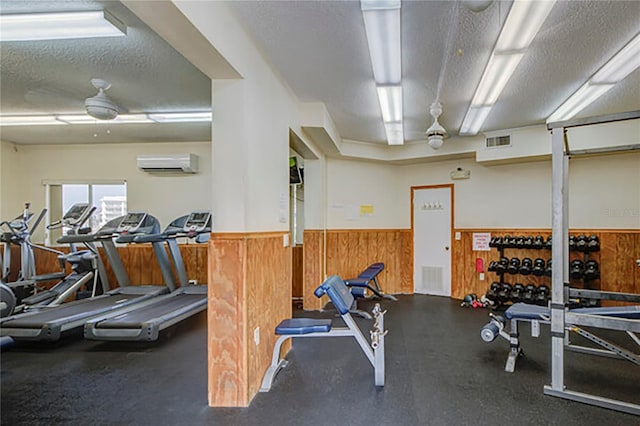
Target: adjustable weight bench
{"type": "Point", "coordinates": [367, 280]}
{"type": "Point", "coordinates": [342, 299]}
{"type": "Point", "coordinates": [537, 315]}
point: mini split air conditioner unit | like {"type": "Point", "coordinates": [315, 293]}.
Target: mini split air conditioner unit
{"type": "Point", "coordinates": [169, 163]}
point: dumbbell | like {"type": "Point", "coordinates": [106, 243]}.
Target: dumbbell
{"type": "Point", "coordinates": [514, 266]}
{"type": "Point", "coordinates": [576, 269]}
{"type": "Point", "coordinates": [517, 292]}
{"type": "Point", "coordinates": [591, 270]}
{"type": "Point", "coordinates": [468, 300]}
{"type": "Point", "coordinates": [501, 268]}
{"type": "Point", "coordinates": [593, 243]}
{"type": "Point", "coordinates": [493, 266]}
{"type": "Point", "coordinates": [542, 296]}
{"type": "Point", "coordinates": [505, 241]}
{"type": "Point", "coordinates": [529, 294]}
{"type": "Point", "coordinates": [526, 266]}
{"type": "Point", "coordinates": [492, 242]}
{"type": "Point", "coordinates": [572, 242]}
{"type": "Point", "coordinates": [519, 243]}
{"type": "Point", "coordinates": [510, 242]}
{"type": "Point", "coordinates": [549, 243]}
{"type": "Point", "coordinates": [538, 242]}
{"type": "Point", "coordinates": [492, 294]}
{"type": "Point", "coordinates": [538, 267]}
{"type": "Point", "coordinates": [581, 242]}
{"type": "Point", "coordinates": [490, 331]}
{"type": "Point", "coordinates": [504, 294]}
{"type": "Point", "coordinates": [549, 268]}
{"type": "Point", "coordinates": [528, 242]}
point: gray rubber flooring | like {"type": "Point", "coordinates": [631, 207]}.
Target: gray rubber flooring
{"type": "Point", "coordinates": [439, 372]}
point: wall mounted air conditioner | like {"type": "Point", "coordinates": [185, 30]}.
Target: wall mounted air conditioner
{"type": "Point", "coordinates": [168, 163]}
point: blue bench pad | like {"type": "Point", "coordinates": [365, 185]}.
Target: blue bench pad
{"type": "Point", "coordinates": [525, 311]}
{"type": "Point", "coordinates": [372, 271]}
{"type": "Point", "coordinates": [630, 312]}
{"type": "Point", "coordinates": [359, 282]}
{"type": "Point", "coordinates": [338, 293]}
{"type": "Point", "coordinates": [303, 326]}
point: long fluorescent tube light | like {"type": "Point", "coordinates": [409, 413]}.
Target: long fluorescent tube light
{"type": "Point", "coordinates": [390, 98]}
{"type": "Point", "coordinates": [120, 119]}
{"type": "Point", "coordinates": [29, 120]}
{"type": "Point", "coordinates": [394, 133]}
{"type": "Point", "coordinates": [382, 27]}
{"type": "Point", "coordinates": [520, 28]}
{"type": "Point", "coordinates": [578, 101]}
{"type": "Point", "coordinates": [56, 26]}
{"type": "Point", "coordinates": [616, 69]}
{"type": "Point", "coordinates": [180, 117]}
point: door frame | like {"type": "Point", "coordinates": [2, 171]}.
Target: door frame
{"type": "Point", "coordinates": [451, 186]}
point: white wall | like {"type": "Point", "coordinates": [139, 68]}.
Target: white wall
{"type": "Point", "coordinates": [604, 193]}
{"type": "Point", "coordinates": [12, 180]}
{"type": "Point", "coordinates": [164, 196]}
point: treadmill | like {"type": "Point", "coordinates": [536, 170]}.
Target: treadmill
{"type": "Point", "coordinates": [48, 323]}
{"type": "Point", "coordinates": [145, 321]}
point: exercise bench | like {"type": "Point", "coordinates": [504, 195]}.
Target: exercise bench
{"type": "Point", "coordinates": [367, 280]}
{"type": "Point", "coordinates": [342, 299]}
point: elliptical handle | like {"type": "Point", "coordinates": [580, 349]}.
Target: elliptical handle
{"type": "Point", "coordinates": [40, 217]}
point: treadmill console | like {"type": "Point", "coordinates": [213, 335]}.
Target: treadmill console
{"type": "Point", "coordinates": [197, 222]}
{"type": "Point", "coordinates": [131, 223]}
{"type": "Point", "coordinates": [77, 214]}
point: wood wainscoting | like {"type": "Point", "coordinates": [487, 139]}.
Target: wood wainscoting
{"type": "Point", "coordinates": [350, 251]}
{"type": "Point", "coordinates": [619, 250]}
{"type": "Point", "coordinates": [249, 290]}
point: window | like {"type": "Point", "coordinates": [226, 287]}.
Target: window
{"type": "Point", "coordinates": [109, 199]}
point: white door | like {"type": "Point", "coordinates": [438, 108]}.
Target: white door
{"type": "Point", "coordinates": [432, 214]}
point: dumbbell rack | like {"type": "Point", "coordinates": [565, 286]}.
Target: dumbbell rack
{"type": "Point", "coordinates": [587, 284]}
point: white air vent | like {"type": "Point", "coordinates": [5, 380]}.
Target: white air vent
{"type": "Point", "coordinates": [168, 163]}
{"type": "Point", "coordinates": [498, 141]}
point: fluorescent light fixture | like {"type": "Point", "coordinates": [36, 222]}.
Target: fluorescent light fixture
{"type": "Point", "coordinates": [180, 117]}
{"type": "Point", "coordinates": [55, 26]}
{"type": "Point", "coordinates": [390, 98]}
{"type": "Point", "coordinates": [520, 28]}
{"type": "Point", "coordinates": [621, 65]}
{"type": "Point", "coordinates": [474, 119]}
{"type": "Point", "coordinates": [523, 23]}
{"type": "Point", "coordinates": [617, 69]}
{"type": "Point", "coordinates": [382, 26]}
{"type": "Point", "coordinates": [121, 119]}
{"type": "Point", "coordinates": [495, 77]}
{"type": "Point", "coordinates": [28, 120]}
{"type": "Point", "coordinates": [394, 133]}
{"type": "Point", "coordinates": [77, 119]}
{"type": "Point", "coordinates": [578, 101]}
{"type": "Point", "coordinates": [129, 118]}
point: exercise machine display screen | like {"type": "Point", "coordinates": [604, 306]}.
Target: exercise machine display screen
{"type": "Point", "coordinates": [131, 222]}
{"type": "Point", "coordinates": [197, 222]}
{"type": "Point", "coordinates": [76, 211]}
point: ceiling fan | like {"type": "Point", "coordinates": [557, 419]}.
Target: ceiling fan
{"type": "Point", "coordinates": [101, 106]}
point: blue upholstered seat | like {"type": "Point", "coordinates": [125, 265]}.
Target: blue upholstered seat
{"type": "Point", "coordinates": [303, 326]}
{"type": "Point", "coordinates": [525, 311]}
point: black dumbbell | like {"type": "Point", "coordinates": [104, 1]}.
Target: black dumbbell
{"type": "Point", "coordinates": [538, 242]}
{"type": "Point", "coordinates": [572, 242]}
{"type": "Point", "coordinates": [502, 266]}
{"type": "Point", "coordinates": [512, 242]}
{"type": "Point", "coordinates": [517, 293]}
{"type": "Point", "coordinates": [549, 268]}
{"type": "Point", "coordinates": [519, 241]}
{"type": "Point", "coordinates": [526, 266]}
{"type": "Point", "coordinates": [505, 241]}
{"type": "Point", "coordinates": [576, 269]}
{"type": "Point", "coordinates": [514, 266]}
{"type": "Point", "coordinates": [493, 266]}
{"type": "Point", "coordinates": [581, 242]}
{"type": "Point", "coordinates": [504, 294]}
{"type": "Point", "coordinates": [492, 294]}
{"type": "Point", "coordinates": [538, 267]}
{"type": "Point", "coordinates": [593, 243]}
{"type": "Point", "coordinates": [542, 296]}
{"type": "Point", "coordinates": [492, 242]}
{"type": "Point", "coordinates": [591, 270]}
{"type": "Point", "coordinates": [529, 294]}
{"type": "Point", "coordinates": [549, 243]}
{"type": "Point", "coordinates": [528, 242]}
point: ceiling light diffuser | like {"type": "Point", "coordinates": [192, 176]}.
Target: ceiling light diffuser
{"type": "Point", "coordinates": [179, 117]}
{"type": "Point", "coordinates": [28, 120]}
{"type": "Point", "coordinates": [578, 101]}
{"type": "Point", "coordinates": [56, 26]}
{"type": "Point", "coordinates": [390, 98]}
{"type": "Point", "coordinates": [394, 133]}
{"type": "Point", "coordinates": [382, 27]}
{"type": "Point", "coordinates": [474, 119]}
{"type": "Point", "coordinates": [523, 23]}
{"type": "Point", "coordinates": [495, 77]}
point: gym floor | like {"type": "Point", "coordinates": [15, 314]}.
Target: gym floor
{"type": "Point", "coordinates": [438, 372]}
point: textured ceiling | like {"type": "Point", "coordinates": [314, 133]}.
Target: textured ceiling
{"type": "Point", "coordinates": [320, 50]}
{"type": "Point", "coordinates": [147, 75]}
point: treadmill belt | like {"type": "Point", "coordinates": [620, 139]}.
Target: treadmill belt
{"type": "Point", "coordinates": [164, 307]}
{"type": "Point", "coordinates": [67, 310]}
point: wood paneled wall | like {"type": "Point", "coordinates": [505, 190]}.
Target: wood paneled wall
{"type": "Point", "coordinates": [616, 258]}
{"type": "Point", "coordinates": [249, 289]}
{"type": "Point", "coordinates": [349, 252]}
{"type": "Point", "coordinates": [297, 271]}
{"type": "Point", "coordinates": [139, 262]}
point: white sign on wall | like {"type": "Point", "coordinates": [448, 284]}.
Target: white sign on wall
{"type": "Point", "coordinates": [481, 241]}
